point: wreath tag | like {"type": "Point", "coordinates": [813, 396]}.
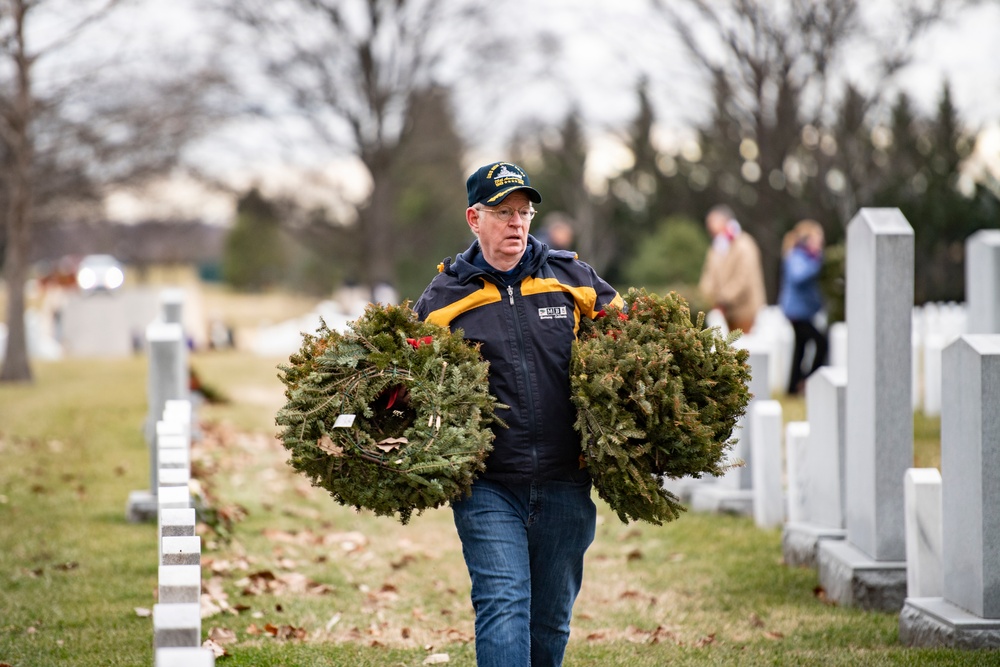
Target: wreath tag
{"type": "Point", "coordinates": [344, 421]}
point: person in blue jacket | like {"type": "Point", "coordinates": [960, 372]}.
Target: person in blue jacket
{"type": "Point", "coordinates": [529, 518]}
{"type": "Point", "coordinates": [800, 297]}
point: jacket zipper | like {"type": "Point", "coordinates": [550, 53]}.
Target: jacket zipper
{"type": "Point", "coordinates": [527, 380]}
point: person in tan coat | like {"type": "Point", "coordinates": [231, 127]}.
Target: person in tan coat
{"type": "Point", "coordinates": [732, 278]}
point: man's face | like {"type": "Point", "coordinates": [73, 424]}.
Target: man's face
{"type": "Point", "coordinates": [503, 243]}
{"type": "Point", "coordinates": [715, 222]}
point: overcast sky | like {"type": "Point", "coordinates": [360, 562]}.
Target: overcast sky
{"type": "Point", "coordinates": [596, 68]}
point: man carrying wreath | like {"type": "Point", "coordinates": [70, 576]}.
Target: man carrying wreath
{"type": "Point", "coordinates": [529, 518]}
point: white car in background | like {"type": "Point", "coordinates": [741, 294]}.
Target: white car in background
{"type": "Point", "coordinates": [100, 272]}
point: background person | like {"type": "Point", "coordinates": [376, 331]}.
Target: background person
{"type": "Point", "coordinates": [801, 299]}
{"type": "Point", "coordinates": [557, 232]}
{"type": "Point", "coordinates": [732, 277]}
{"type": "Point", "coordinates": [529, 518]}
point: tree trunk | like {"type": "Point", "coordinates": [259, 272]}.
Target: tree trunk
{"type": "Point", "coordinates": [16, 365]}
{"type": "Point", "coordinates": [379, 254]}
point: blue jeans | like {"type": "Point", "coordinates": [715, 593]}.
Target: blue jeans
{"type": "Point", "coordinates": [524, 547]}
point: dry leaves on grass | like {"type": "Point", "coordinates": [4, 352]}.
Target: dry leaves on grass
{"type": "Point", "coordinates": [348, 542]}
{"type": "Point", "coordinates": [283, 632]}
{"type": "Point", "coordinates": [218, 639]}
{"type": "Point", "coordinates": [266, 582]}
{"type": "Point", "coordinates": [636, 635]}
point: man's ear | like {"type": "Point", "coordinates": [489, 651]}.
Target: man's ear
{"type": "Point", "coordinates": [472, 217]}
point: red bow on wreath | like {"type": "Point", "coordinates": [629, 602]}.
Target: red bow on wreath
{"type": "Point", "coordinates": [417, 342]}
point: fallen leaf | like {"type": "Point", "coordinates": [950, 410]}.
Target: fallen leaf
{"type": "Point", "coordinates": [820, 594]}
{"type": "Point", "coordinates": [390, 444]}
{"type": "Point", "coordinates": [437, 659]}
{"type": "Point", "coordinates": [705, 641]}
{"type": "Point", "coordinates": [755, 621]}
{"type": "Point", "coordinates": [327, 444]}
{"type": "Point", "coordinates": [405, 560]}
{"type": "Point", "coordinates": [222, 636]}
{"type": "Point", "coordinates": [218, 650]}
{"type": "Point", "coordinates": [774, 635]}
{"type": "Point", "coordinates": [663, 633]}
{"type": "Point", "coordinates": [285, 631]}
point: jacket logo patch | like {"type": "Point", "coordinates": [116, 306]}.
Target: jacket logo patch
{"type": "Point", "coordinates": [553, 313]}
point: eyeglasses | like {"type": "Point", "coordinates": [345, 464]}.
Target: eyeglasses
{"type": "Point", "coordinates": [505, 213]}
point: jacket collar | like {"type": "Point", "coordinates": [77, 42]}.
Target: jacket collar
{"type": "Point", "coordinates": [464, 267]}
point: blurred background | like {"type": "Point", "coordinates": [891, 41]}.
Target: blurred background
{"type": "Point", "coordinates": [289, 159]}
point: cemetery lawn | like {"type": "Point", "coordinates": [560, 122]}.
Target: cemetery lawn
{"type": "Point", "coordinates": [299, 580]}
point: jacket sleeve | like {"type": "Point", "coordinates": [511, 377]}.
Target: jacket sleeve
{"type": "Point", "coordinates": [604, 295]}
{"type": "Point", "coordinates": [801, 267]}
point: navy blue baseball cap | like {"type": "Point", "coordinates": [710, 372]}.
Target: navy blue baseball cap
{"type": "Point", "coordinates": [491, 184]}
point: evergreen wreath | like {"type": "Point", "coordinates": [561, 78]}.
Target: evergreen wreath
{"type": "Point", "coordinates": [392, 415]}
{"type": "Point", "coordinates": [657, 397]}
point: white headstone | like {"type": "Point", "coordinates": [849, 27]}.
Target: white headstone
{"type": "Point", "coordinates": [173, 458]}
{"type": "Point", "coordinates": [172, 305]}
{"type": "Point", "coordinates": [186, 656]}
{"type": "Point", "coordinates": [174, 476]}
{"type": "Point", "coordinates": [180, 550]}
{"type": "Point", "coordinates": [970, 467]}
{"type": "Point", "coordinates": [934, 343]}
{"type": "Point", "coordinates": [179, 583]}
{"type": "Point", "coordinates": [922, 490]}
{"type": "Point", "coordinates": [868, 569]}
{"type": "Point", "coordinates": [796, 455]}
{"type": "Point", "coordinates": [172, 441]}
{"type": "Point", "coordinates": [838, 345]}
{"type": "Point", "coordinates": [879, 409]}
{"type": "Point", "coordinates": [173, 497]}
{"type": "Point", "coordinates": [167, 379]}
{"type": "Point", "coordinates": [178, 411]}
{"type": "Point", "coordinates": [760, 390]}
{"type": "Point", "coordinates": [176, 624]}
{"type": "Point", "coordinates": [177, 522]}
{"type": "Point", "coordinates": [982, 281]}
{"type": "Point", "coordinates": [826, 409]}
{"type": "Point", "coordinates": [768, 496]}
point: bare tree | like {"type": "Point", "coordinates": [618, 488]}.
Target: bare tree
{"type": "Point", "coordinates": [775, 68]}
{"type": "Point", "coordinates": [351, 70]}
{"type": "Point", "coordinates": [69, 130]}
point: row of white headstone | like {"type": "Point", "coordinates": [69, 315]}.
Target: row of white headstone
{"type": "Point", "coordinates": [882, 534]}
{"type": "Point", "coordinates": [935, 326]}
{"type": "Point", "coordinates": [177, 612]}
{"type": "Point", "coordinates": [169, 427]}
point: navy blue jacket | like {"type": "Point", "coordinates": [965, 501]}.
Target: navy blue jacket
{"type": "Point", "coordinates": [525, 323]}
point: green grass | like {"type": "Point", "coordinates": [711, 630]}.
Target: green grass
{"type": "Point", "coordinates": [704, 590]}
